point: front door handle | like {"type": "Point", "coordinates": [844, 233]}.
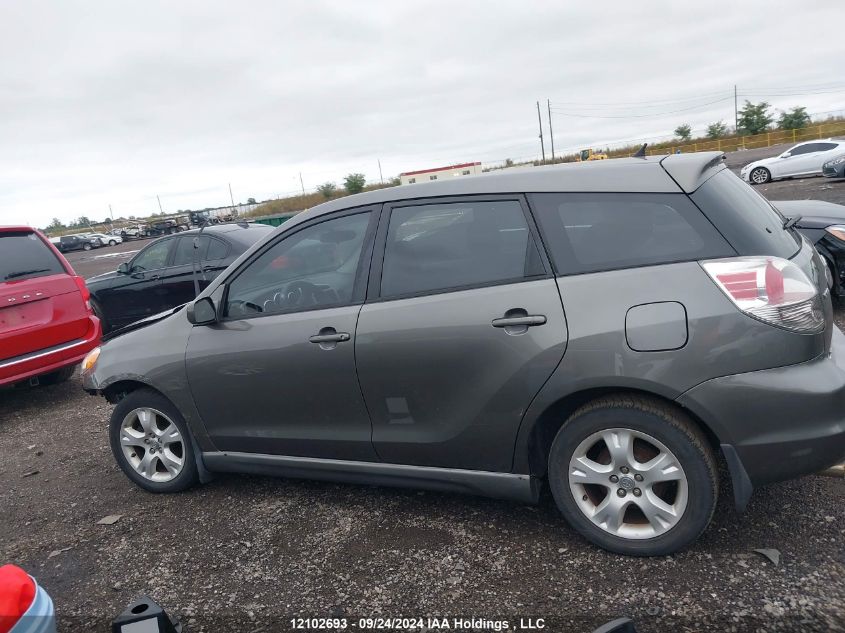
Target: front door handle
{"type": "Point", "coordinates": [328, 338]}
{"type": "Point", "coordinates": [516, 321]}
{"type": "Point", "coordinates": [337, 337]}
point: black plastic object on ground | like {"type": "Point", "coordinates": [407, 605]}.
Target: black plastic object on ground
{"type": "Point", "coordinates": [144, 615]}
{"type": "Point", "coordinates": [622, 625]}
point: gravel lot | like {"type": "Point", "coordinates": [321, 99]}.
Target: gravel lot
{"type": "Point", "coordinates": [248, 553]}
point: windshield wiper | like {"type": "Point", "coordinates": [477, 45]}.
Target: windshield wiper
{"type": "Point", "coordinates": [788, 223]}
{"type": "Point", "coordinates": [26, 272]}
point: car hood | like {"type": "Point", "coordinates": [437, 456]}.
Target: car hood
{"type": "Point", "coordinates": [100, 281]}
{"type": "Point", "coordinates": [815, 214]}
{"type": "Point", "coordinates": [137, 325]}
{"type": "Point", "coordinates": [761, 163]}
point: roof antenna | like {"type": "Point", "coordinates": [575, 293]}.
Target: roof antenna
{"type": "Point", "coordinates": [641, 152]}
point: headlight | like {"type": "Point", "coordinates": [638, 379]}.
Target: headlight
{"type": "Point", "coordinates": [90, 360]}
{"type": "Point", "coordinates": [835, 161]}
{"type": "Point", "coordinates": [837, 231]}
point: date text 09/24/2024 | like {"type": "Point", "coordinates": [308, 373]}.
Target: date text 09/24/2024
{"type": "Point", "coordinates": [411, 624]}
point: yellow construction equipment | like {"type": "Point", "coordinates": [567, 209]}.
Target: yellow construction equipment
{"type": "Point", "coordinates": [589, 154]}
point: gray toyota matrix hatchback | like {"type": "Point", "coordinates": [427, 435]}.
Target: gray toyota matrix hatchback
{"type": "Point", "coordinates": [612, 328]}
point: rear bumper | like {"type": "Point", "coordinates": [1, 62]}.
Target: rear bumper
{"type": "Point", "coordinates": [41, 362]}
{"type": "Point", "coordinates": [780, 423]}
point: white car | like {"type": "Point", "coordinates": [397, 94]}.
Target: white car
{"type": "Point", "coordinates": [805, 159]}
{"type": "Point", "coordinates": [106, 240]}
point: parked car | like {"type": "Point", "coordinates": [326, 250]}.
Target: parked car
{"type": "Point", "coordinates": [823, 223]}
{"type": "Point", "coordinates": [106, 240]}
{"type": "Point", "coordinates": [834, 168]}
{"type": "Point", "coordinates": [131, 233]}
{"type": "Point", "coordinates": [161, 275]}
{"type": "Point", "coordinates": [611, 328]}
{"type": "Point", "coordinates": [77, 243]}
{"type": "Point", "coordinates": [805, 159]}
{"type": "Point", "coordinates": [46, 323]}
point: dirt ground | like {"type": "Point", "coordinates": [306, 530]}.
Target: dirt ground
{"type": "Point", "coordinates": [250, 553]}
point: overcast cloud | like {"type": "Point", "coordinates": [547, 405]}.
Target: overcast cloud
{"type": "Point", "coordinates": [113, 102]}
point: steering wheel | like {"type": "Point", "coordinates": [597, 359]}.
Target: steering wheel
{"type": "Point", "coordinates": [243, 308]}
{"type": "Point", "coordinates": [299, 294]}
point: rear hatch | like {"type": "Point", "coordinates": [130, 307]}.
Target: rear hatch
{"type": "Point", "coordinates": [41, 304]}
{"type": "Point", "coordinates": [753, 226]}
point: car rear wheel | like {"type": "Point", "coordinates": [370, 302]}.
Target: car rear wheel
{"type": "Point", "coordinates": [759, 176]}
{"type": "Point", "coordinates": [112, 242]}
{"type": "Point", "coordinates": [633, 476]}
{"type": "Point", "coordinates": [86, 246]}
{"type": "Point", "coordinates": [151, 442]}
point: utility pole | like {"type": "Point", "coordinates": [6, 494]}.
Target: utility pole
{"type": "Point", "coordinates": [231, 197]}
{"type": "Point", "coordinates": [159, 204]}
{"type": "Point", "coordinates": [736, 113]}
{"type": "Point", "coordinates": [540, 121]}
{"type": "Point", "coordinates": [302, 183]}
{"type": "Point", "coordinates": [111, 214]}
{"type": "Point", "coordinates": [380, 175]}
{"type": "Point", "coordinates": [551, 133]}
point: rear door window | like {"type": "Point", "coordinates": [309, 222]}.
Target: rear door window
{"type": "Point", "coordinates": [438, 247]}
{"type": "Point", "coordinates": [605, 231]}
{"type": "Point", "coordinates": [24, 256]}
{"type": "Point", "coordinates": [746, 219]}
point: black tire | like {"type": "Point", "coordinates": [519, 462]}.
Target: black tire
{"type": "Point", "coordinates": [86, 246]}
{"type": "Point", "coordinates": [662, 422]}
{"type": "Point", "coordinates": [188, 476]}
{"type": "Point", "coordinates": [58, 376]}
{"type": "Point", "coordinates": [112, 243]}
{"type": "Point", "coordinates": [765, 176]}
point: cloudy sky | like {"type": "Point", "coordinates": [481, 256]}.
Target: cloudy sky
{"type": "Point", "coordinates": [115, 102]}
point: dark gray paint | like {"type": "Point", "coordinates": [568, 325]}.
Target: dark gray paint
{"type": "Point", "coordinates": [656, 327]}
{"type": "Point", "coordinates": [459, 401]}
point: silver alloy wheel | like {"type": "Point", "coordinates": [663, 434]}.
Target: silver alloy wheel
{"type": "Point", "coordinates": [628, 483]}
{"type": "Point", "coordinates": [760, 175]}
{"type": "Point", "coordinates": [152, 444]}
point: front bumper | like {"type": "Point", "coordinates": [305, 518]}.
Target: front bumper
{"type": "Point", "coordinates": [834, 171]}
{"type": "Point", "coordinates": [780, 423]}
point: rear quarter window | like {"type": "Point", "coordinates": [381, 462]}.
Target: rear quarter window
{"type": "Point", "coordinates": [23, 255]}
{"type": "Point", "coordinates": [588, 232]}
{"type": "Point", "coordinates": [746, 219]}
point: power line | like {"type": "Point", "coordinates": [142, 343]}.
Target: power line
{"type": "Point", "coordinates": [641, 116]}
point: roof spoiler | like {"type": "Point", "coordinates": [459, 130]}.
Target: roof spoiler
{"type": "Point", "coordinates": [690, 171]}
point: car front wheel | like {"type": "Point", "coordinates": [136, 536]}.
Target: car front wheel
{"type": "Point", "coordinates": [759, 176]}
{"type": "Point", "coordinates": [112, 242]}
{"type": "Point", "coordinates": [86, 246]}
{"type": "Point", "coordinates": [151, 442]}
{"type": "Point", "coordinates": [633, 476]}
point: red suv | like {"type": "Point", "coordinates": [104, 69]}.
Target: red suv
{"type": "Point", "coordinates": [46, 323]}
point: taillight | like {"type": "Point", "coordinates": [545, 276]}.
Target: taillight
{"type": "Point", "coordinates": [770, 289]}
{"type": "Point", "coordinates": [86, 294]}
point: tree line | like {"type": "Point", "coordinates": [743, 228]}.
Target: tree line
{"type": "Point", "coordinates": [753, 118]}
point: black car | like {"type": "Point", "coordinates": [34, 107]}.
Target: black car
{"type": "Point", "coordinates": [823, 223]}
{"type": "Point", "coordinates": [161, 276]}
{"type": "Point", "coordinates": [77, 243]}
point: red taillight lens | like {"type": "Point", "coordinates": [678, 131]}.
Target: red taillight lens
{"type": "Point", "coordinates": [86, 294]}
{"type": "Point", "coordinates": [771, 289]}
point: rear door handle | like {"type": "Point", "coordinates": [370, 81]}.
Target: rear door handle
{"type": "Point", "coordinates": [337, 337]}
{"type": "Point", "coordinates": [526, 321]}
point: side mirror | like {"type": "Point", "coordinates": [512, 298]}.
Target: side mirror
{"type": "Point", "coordinates": [124, 269]}
{"type": "Point", "coordinates": [787, 155]}
{"type": "Point", "coordinates": [202, 312]}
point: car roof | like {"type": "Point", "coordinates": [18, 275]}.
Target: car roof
{"type": "Point", "coordinates": [674, 173]}
{"type": "Point", "coordinates": [247, 235]}
{"type": "Point", "coordinates": [15, 228]}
